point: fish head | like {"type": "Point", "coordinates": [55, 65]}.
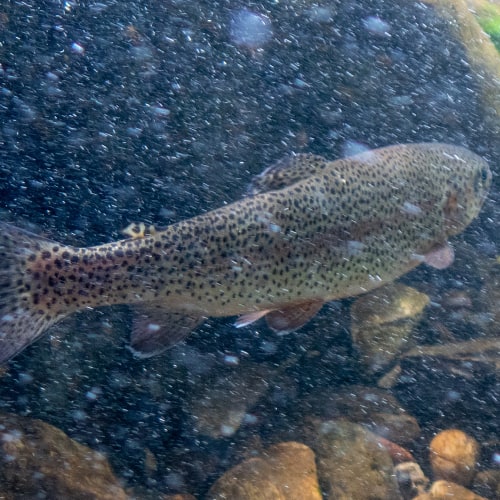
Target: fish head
{"type": "Point", "coordinates": [468, 183]}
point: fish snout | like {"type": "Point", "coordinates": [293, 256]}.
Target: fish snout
{"type": "Point", "coordinates": [470, 185]}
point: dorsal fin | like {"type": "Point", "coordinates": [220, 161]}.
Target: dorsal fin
{"type": "Point", "coordinates": [139, 230]}
{"type": "Point", "coordinates": [287, 171]}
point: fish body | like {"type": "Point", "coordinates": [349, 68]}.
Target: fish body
{"type": "Point", "coordinates": [311, 231]}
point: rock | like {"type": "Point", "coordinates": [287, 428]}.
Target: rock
{"type": "Point", "coordinates": [464, 379]}
{"type": "Point", "coordinates": [488, 17]}
{"type": "Point", "coordinates": [446, 490]}
{"type": "Point", "coordinates": [400, 428]}
{"type": "Point", "coordinates": [374, 408]}
{"type": "Point", "coordinates": [481, 52]}
{"type": "Point", "coordinates": [397, 453]}
{"type": "Point", "coordinates": [453, 456]}
{"type": "Point", "coordinates": [382, 324]}
{"type": "Point", "coordinates": [286, 471]}
{"type": "Point", "coordinates": [487, 483]}
{"type": "Point", "coordinates": [140, 493]}
{"type": "Point", "coordinates": [351, 464]}
{"type": "Point", "coordinates": [179, 496]}
{"type": "Point", "coordinates": [219, 407]}
{"type": "Point", "coordinates": [411, 479]}
{"type": "Point", "coordinates": [40, 461]}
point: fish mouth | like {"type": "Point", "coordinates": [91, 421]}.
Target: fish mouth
{"type": "Point", "coordinates": [453, 211]}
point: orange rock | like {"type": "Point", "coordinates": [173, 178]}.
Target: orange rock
{"type": "Point", "coordinates": [453, 456]}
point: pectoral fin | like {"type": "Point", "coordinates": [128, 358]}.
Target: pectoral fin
{"type": "Point", "coordinates": [248, 319]}
{"type": "Point", "coordinates": [288, 319]}
{"type": "Point", "coordinates": [155, 329]}
{"type": "Point", "coordinates": [440, 257]}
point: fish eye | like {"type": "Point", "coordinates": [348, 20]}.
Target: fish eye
{"type": "Point", "coordinates": [481, 178]}
{"type": "Point", "coordinates": [484, 174]}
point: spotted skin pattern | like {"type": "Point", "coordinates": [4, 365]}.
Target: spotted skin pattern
{"type": "Point", "coordinates": [311, 231]}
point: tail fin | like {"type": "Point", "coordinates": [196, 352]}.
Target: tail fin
{"type": "Point", "coordinates": [21, 322]}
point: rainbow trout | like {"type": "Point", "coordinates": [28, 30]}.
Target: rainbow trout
{"type": "Point", "coordinates": [309, 231]}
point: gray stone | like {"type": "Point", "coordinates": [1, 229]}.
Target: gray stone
{"type": "Point", "coordinates": [351, 464]}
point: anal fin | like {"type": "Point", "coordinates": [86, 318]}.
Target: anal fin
{"type": "Point", "coordinates": [290, 318]}
{"type": "Point", "coordinates": [155, 329]}
{"type": "Point", "coordinates": [249, 318]}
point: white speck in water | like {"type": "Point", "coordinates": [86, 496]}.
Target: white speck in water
{"type": "Point", "coordinates": [250, 419]}
{"type": "Point", "coordinates": [301, 84]}
{"type": "Point", "coordinates": [188, 35]}
{"type": "Point", "coordinates": [453, 396]}
{"type": "Point", "coordinates": [250, 29]}
{"type": "Point", "coordinates": [77, 48]}
{"type": "Point", "coordinates": [9, 437]}
{"type": "Point", "coordinates": [352, 148]}
{"type": "Point", "coordinates": [7, 317]}
{"type": "Point", "coordinates": [93, 394]}
{"type": "Point", "coordinates": [79, 415]}
{"type": "Point", "coordinates": [321, 14]}
{"type": "Point", "coordinates": [175, 481]}
{"type": "Point", "coordinates": [141, 53]}
{"type": "Point", "coordinates": [227, 430]}
{"type": "Point", "coordinates": [418, 257]}
{"type": "Point", "coordinates": [268, 347]}
{"type": "Point", "coordinates": [355, 247]}
{"type": "Point", "coordinates": [401, 100]}
{"type": "Point", "coordinates": [25, 378]}
{"type": "Point", "coordinates": [160, 112]}
{"type": "Point", "coordinates": [496, 458]}
{"type": "Point", "coordinates": [153, 327]}
{"type": "Point", "coordinates": [376, 26]}
{"type": "Point", "coordinates": [231, 360]}
{"type": "Point", "coordinates": [411, 209]}
{"type": "Point", "coordinates": [134, 131]}
{"type": "Point", "coordinates": [98, 7]}
{"type": "Point", "coordinates": [274, 228]}
{"type": "Point", "coordinates": [373, 398]}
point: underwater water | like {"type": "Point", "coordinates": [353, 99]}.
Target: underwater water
{"type": "Point", "coordinates": [155, 112]}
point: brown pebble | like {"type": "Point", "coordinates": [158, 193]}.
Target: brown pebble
{"type": "Point", "coordinates": [411, 480]}
{"type": "Point", "coordinates": [446, 490]}
{"type": "Point", "coordinates": [457, 299]}
{"type": "Point", "coordinates": [397, 453]}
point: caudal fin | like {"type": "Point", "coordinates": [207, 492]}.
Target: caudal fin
{"type": "Point", "coordinates": [21, 321]}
